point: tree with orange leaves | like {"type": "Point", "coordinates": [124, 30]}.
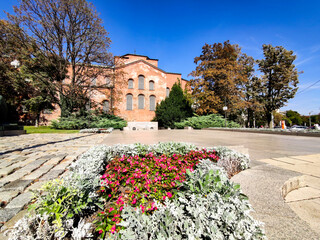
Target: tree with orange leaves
{"type": "Point", "coordinates": [218, 79]}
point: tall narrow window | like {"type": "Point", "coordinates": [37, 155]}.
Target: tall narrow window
{"type": "Point", "coordinates": [129, 102]}
{"type": "Point", "coordinates": [151, 85]}
{"type": "Point", "coordinates": [130, 84]}
{"type": "Point", "coordinates": [106, 106]}
{"type": "Point", "coordinates": [88, 106]}
{"type": "Point", "coordinates": [141, 101]}
{"type": "Point", "coordinates": [108, 82]}
{"type": "Point", "coordinates": [141, 82]}
{"type": "Point", "coordinates": [167, 92]}
{"type": "Point", "coordinates": [93, 81]}
{"type": "Point", "coordinates": [152, 103]}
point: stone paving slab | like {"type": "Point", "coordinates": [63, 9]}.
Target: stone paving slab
{"type": "Point", "coordinates": [305, 199]}
{"type": "Point", "coordinates": [308, 210]}
{"type": "Point", "coordinates": [28, 161]}
{"type": "Point", "coordinates": [262, 184]}
{"type": "Point", "coordinates": [301, 194]}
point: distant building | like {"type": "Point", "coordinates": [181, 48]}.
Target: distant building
{"type": "Point", "coordinates": [143, 85]}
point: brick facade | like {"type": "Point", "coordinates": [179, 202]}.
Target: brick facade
{"type": "Point", "coordinates": [156, 84]}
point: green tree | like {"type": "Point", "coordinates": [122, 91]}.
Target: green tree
{"type": "Point", "coordinates": [70, 39]}
{"type": "Point", "coordinates": [218, 79]}
{"type": "Point", "coordinates": [21, 88]}
{"type": "Point", "coordinates": [251, 90]}
{"type": "Point", "coordinates": [294, 117]}
{"type": "Point", "coordinates": [279, 79]}
{"type": "Point", "coordinates": [14, 45]}
{"type": "Point", "coordinates": [174, 108]}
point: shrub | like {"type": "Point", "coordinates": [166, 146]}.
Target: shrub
{"type": "Point", "coordinates": [174, 108]}
{"type": "Point", "coordinates": [90, 121]}
{"type": "Point", "coordinates": [213, 120]}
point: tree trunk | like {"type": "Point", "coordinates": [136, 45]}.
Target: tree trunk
{"type": "Point", "coordinates": [37, 120]}
{"type": "Point", "coordinates": [269, 119]}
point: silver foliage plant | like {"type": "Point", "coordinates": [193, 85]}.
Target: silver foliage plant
{"type": "Point", "coordinates": [213, 215]}
{"type": "Point", "coordinates": [84, 176]}
{"type": "Point", "coordinates": [230, 160]}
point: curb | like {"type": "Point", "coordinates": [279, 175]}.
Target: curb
{"type": "Point", "coordinates": [317, 134]}
{"type": "Point", "coordinates": [293, 184]}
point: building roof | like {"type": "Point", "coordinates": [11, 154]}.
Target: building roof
{"type": "Point", "coordinates": [137, 55]}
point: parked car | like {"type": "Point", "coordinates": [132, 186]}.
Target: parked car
{"type": "Point", "coordinates": [298, 128]}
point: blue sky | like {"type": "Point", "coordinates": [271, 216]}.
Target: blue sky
{"type": "Point", "coordinates": [175, 31]}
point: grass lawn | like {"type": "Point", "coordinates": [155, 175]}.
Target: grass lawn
{"type": "Point", "coordinates": [47, 129]}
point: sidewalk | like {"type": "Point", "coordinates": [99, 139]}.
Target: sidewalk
{"type": "Point", "coordinates": [302, 193]}
{"type": "Point", "coordinates": [274, 190]}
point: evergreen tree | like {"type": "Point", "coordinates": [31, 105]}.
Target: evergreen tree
{"type": "Point", "coordinates": [174, 108]}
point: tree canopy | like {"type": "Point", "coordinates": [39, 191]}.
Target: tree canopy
{"type": "Point", "coordinates": [218, 78]}
{"type": "Point", "coordinates": [279, 79]}
{"type": "Point", "coordinates": [70, 40]}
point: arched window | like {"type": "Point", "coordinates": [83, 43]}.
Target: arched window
{"type": "Point", "coordinates": [167, 92]}
{"type": "Point", "coordinates": [152, 103]}
{"type": "Point", "coordinates": [151, 85]}
{"type": "Point", "coordinates": [106, 106]}
{"type": "Point", "coordinates": [129, 101]}
{"type": "Point", "coordinates": [141, 101]}
{"type": "Point", "coordinates": [130, 83]}
{"type": "Point", "coordinates": [141, 82]}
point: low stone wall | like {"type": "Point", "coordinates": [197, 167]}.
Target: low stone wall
{"type": "Point", "coordinates": [141, 126]}
{"type": "Point", "coordinates": [12, 132]}
{"type": "Point", "coordinates": [306, 134]}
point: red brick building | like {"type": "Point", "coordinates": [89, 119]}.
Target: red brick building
{"type": "Point", "coordinates": [144, 85]}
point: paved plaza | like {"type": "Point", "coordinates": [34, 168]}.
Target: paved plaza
{"type": "Point", "coordinates": [27, 161]}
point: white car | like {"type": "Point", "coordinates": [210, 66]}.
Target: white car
{"type": "Point", "coordinates": [298, 128]}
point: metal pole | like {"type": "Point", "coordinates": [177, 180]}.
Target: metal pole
{"type": "Point", "coordinates": [310, 118]}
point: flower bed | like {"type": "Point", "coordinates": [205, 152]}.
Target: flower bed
{"type": "Point", "coordinates": [162, 191]}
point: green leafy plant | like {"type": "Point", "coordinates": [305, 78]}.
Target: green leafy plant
{"type": "Point", "coordinates": [213, 120]}
{"type": "Point", "coordinates": [89, 121]}
{"type": "Point", "coordinates": [59, 202]}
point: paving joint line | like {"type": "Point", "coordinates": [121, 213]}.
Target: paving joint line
{"type": "Point", "coordinates": [313, 198]}
{"type": "Point", "coordinates": [275, 159]}
{"type": "Point", "coordinates": [302, 160]}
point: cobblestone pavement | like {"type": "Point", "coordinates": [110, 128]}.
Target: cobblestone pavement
{"type": "Point", "coordinates": [27, 161]}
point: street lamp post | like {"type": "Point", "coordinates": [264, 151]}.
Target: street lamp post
{"type": "Point", "coordinates": [310, 118]}
{"type": "Point", "coordinates": [225, 108]}
{"type": "Point", "coordinates": [15, 63]}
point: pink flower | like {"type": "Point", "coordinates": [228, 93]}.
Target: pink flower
{"type": "Point", "coordinates": [169, 195]}
{"type": "Point", "coordinates": [113, 228]}
{"type": "Point", "coordinates": [111, 209]}
{"type": "Point", "coordinates": [100, 231]}
{"type": "Point", "coordinates": [134, 201]}
{"type": "Point", "coordinates": [163, 198]}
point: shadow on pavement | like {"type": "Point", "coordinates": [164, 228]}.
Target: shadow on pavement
{"type": "Point", "coordinates": [43, 144]}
